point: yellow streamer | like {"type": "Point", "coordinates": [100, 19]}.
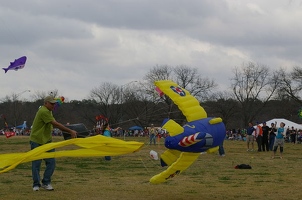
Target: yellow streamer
{"type": "Point", "coordinates": [89, 147]}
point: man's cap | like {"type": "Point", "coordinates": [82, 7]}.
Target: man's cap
{"type": "Point", "coordinates": [50, 99]}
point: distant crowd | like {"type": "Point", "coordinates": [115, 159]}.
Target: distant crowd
{"type": "Point", "coordinates": [293, 135]}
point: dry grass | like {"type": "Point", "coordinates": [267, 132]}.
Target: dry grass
{"type": "Point", "coordinates": [127, 177]}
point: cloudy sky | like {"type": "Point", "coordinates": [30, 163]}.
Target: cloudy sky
{"type": "Point", "coordinates": [74, 45]}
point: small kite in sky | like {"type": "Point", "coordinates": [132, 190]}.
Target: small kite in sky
{"type": "Point", "coordinates": [17, 64]}
{"type": "Point", "coordinates": [59, 102]}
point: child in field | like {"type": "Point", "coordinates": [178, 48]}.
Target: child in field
{"type": "Point", "coordinates": [279, 140]}
{"type": "Point", "coordinates": [107, 132]}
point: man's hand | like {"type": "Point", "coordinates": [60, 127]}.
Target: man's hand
{"type": "Point", "coordinates": [73, 134]}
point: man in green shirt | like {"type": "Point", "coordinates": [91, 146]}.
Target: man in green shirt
{"type": "Point", "coordinates": [41, 134]}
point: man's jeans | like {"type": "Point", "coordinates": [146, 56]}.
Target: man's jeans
{"type": "Point", "coordinates": [152, 139]}
{"type": "Point", "coordinates": [36, 165]}
{"type": "Point", "coordinates": [221, 150]}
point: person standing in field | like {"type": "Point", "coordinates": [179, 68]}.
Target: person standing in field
{"type": "Point", "coordinates": [152, 134]}
{"type": "Point", "coordinates": [41, 134]}
{"type": "Point", "coordinates": [250, 132]}
{"type": "Point", "coordinates": [272, 135]}
{"type": "Point", "coordinates": [279, 140]}
{"type": "Point", "coordinates": [293, 135]}
{"type": "Point", "coordinates": [107, 133]}
{"type": "Point", "coordinates": [259, 136]}
{"type": "Point", "coordinates": [265, 137]}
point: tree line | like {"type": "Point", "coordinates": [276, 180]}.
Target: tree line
{"type": "Point", "coordinates": [255, 94]}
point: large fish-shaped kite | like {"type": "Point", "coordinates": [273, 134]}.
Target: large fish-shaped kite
{"type": "Point", "coordinates": [200, 134]}
{"type": "Point", "coordinates": [17, 64]}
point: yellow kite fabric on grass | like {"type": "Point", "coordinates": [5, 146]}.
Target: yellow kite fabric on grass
{"type": "Point", "coordinates": [89, 147]}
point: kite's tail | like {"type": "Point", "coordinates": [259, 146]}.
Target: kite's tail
{"type": "Point", "coordinates": [5, 69]}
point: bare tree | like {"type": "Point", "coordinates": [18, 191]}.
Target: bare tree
{"type": "Point", "coordinates": [38, 95]}
{"type": "Point", "coordinates": [159, 72]}
{"type": "Point", "coordinates": [186, 77]}
{"type": "Point", "coordinates": [253, 86]}
{"type": "Point", "coordinates": [291, 84]}
{"type": "Point", "coordinates": [146, 105]}
{"type": "Point", "coordinates": [163, 72]}
{"type": "Point", "coordinates": [224, 105]}
{"type": "Point", "coordinates": [191, 80]}
{"type": "Point", "coordinates": [107, 96]}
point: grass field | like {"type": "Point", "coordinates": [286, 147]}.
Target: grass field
{"type": "Point", "coordinates": [127, 177]}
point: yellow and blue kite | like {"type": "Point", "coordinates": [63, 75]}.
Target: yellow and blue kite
{"type": "Point", "coordinates": [185, 143]}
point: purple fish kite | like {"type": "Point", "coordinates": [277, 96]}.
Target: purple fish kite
{"type": "Point", "coordinates": [17, 64]}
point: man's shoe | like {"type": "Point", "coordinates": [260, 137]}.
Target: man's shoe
{"type": "Point", "coordinates": [36, 188]}
{"type": "Point", "coordinates": [47, 187]}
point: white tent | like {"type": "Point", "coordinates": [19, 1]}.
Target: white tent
{"type": "Point", "coordinates": [287, 123]}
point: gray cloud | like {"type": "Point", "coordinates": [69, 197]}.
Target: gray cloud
{"type": "Point", "coordinates": [73, 46]}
